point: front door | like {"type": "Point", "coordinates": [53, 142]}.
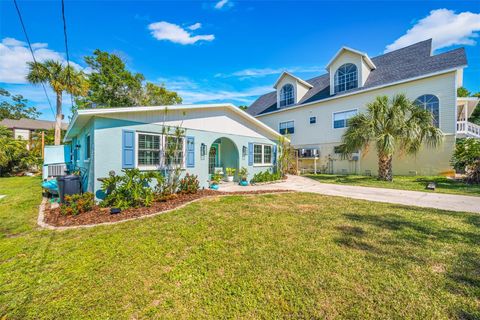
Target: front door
{"type": "Point", "coordinates": [213, 160]}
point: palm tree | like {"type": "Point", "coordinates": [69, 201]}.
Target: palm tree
{"type": "Point", "coordinates": [391, 125]}
{"type": "Point", "coordinates": [61, 79]}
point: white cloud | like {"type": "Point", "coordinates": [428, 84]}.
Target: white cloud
{"type": "Point", "coordinates": [195, 92]}
{"type": "Point", "coordinates": [262, 72]}
{"type": "Point", "coordinates": [195, 26]}
{"type": "Point", "coordinates": [445, 27]}
{"type": "Point", "coordinates": [171, 32]}
{"type": "Point", "coordinates": [220, 4]}
{"type": "Point", "coordinates": [15, 54]}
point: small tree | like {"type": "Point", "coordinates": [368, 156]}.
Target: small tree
{"type": "Point", "coordinates": [466, 158]}
{"type": "Point", "coordinates": [393, 125]}
{"type": "Point", "coordinates": [14, 156]}
{"type": "Point", "coordinates": [286, 159]}
{"type": "Point", "coordinates": [17, 108]}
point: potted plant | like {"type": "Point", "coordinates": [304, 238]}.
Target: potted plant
{"type": "Point", "coordinates": [243, 173]}
{"type": "Point", "coordinates": [230, 174]}
{"type": "Point", "coordinates": [215, 180]}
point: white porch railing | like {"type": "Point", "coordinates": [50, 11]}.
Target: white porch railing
{"type": "Point", "coordinates": [468, 129]}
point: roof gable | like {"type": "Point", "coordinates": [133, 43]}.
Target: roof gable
{"type": "Point", "coordinates": [364, 56]}
{"type": "Point", "coordinates": [288, 74]}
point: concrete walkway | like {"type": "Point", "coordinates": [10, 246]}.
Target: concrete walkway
{"type": "Point", "coordinates": [412, 198]}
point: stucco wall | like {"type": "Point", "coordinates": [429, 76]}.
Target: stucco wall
{"type": "Point", "coordinates": [108, 147]}
{"type": "Point", "coordinates": [324, 135]}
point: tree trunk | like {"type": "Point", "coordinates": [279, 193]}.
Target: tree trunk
{"type": "Point", "coordinates": [385, 167]}
{"type": "Point", "coordinates": [58, 120]}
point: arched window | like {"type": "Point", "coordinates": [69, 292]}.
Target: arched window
{"type": "Point", "coordinates": [287, 95]}
{"type": "Point", "coordinates": [430, 103]}
{"type": "Point", "coordinates": [346, 77]}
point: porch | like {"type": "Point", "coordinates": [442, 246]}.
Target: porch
{"type": "Point", "coordinates": [465, 108]}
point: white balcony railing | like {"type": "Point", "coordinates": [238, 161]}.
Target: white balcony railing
{"type": "Point", "coordinates": [467, 129]}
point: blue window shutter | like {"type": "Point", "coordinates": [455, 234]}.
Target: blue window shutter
{"type": "Point", "coordinates": [274, 155]}
{"type": "Point", "coordinates": [250, 154]}
{"type": "Point", "coordinates": [190, 152]}
{"type": "Point", "coordinates": [128, 149]}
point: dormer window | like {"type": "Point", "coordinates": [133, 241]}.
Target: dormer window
{"type": "Point", "coordinates": [346, 78]}
{"type": "Point", "coordinates": [287, 95]}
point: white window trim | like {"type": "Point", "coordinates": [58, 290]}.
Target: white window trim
{"type": "Point", "coordinates": [343, 111]}
{"type": "Point", "coordinates": [439, 106]}
{"type": "Point", "coordinates": [263, 164]}
{"type": "Point", "coordinates": [163, 143]}
{"type": "Point", "coordinates": [285, 122]}
{"type": "Point", "coordinates": [184, 149]}
{"type": "Point", "coordinates": [294, 95]}
{"type": "Point", "coordinates": [137, 141]}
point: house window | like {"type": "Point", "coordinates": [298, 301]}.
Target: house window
{"type": "Point", "coordinates": [87, 147]}
{"type": "Point", "coordinates": [262, 154]}
{"type": "Point", "coordinates": [346, 78]}
{"type": "Point", "coordinates": [313, 120]}
{"type": "Point", "coordinates": [244, 152]}
{"type": "Point", "coordinates": [287, 95]}
{"type": "Point", "coordinates": [430, 103]}
{"type": "Point", "coordinates": [174, 153]}
{"type": "Point", "coordinates": [148, 150]}
{"type": "Point", "coordinates": [340, 119]}
{"type": "Point", "coordinates": [286, 127]}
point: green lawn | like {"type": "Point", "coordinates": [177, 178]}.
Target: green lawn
{"type": "Point", "coordinates": [414, 183]}
{"type": "Point", "coordinates": [267, 256]}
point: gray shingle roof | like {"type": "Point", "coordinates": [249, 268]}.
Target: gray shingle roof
{"type": "Point", "coordinates": [402, 64]}
{"type": "Point", "coordinates": [30, 124]}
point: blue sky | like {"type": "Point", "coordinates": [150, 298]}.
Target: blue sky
{"type": "Point", "coordinates": [227, 50]}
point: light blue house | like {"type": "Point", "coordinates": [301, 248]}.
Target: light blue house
{"type": "Point", "coordinates": [217, 136]}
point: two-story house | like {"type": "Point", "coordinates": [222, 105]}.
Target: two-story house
{"type": "Point", "coordinates": [315, 112]}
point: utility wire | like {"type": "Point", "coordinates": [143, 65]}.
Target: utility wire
{"type": "Point", "coordinates": [33, 55]}
{"type": "Point", "coordinates": [66, 48]}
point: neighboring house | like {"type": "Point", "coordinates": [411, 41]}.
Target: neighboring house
{"type": "Point", "coordinates": [217, 136]}
{"type": "Point", "coordinates": [314, 113]}
{"type": "Point", "coordinates": [24, 128]}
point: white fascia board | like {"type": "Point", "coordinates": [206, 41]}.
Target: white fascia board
{"type": "Point", "coordinates": [285, 73]}
{"type": "Point", "coordinates": [363, 91]}
{"type": "Point", "coordinates": [363, 54]}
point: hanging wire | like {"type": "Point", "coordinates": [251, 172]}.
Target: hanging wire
{"type": "Point", "coordinates": [33, 54]}
{"type": "Point", "coordinates": [66, 48]}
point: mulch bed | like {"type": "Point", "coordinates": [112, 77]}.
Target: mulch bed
{"type": "Point", "coordinates": [100, 215]}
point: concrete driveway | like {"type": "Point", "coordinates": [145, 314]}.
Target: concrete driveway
{"type": "Point", "coordinates": [412, 198]}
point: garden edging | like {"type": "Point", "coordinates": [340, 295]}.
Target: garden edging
{"type": "Point", "coordinates": [44, 225]}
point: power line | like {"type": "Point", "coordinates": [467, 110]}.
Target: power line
{"type": "Point", "coordinates": [66, 48]}
{"type": "Point", "coordinates": [33, 55]}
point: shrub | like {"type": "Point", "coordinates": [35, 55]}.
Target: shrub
{"type": "Point", "coordinates": [231, 172]}
{"type": "Point", "coordinates": [265, 176]}
{"type": "Point", "coordinates": [243, 173]}
{"type": "Point", "coordinates": [466, 158]}
{"type": "Point", "coordinates": [129, 190]}
{"type": "Point", "coordinates": [189, 184]}
{"type": "Point", "coordinates": [216, 178]}
{"type": "Point", "coordinates": [77, 203]}
{"type": "Point", "coordinates": [14, 155]}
